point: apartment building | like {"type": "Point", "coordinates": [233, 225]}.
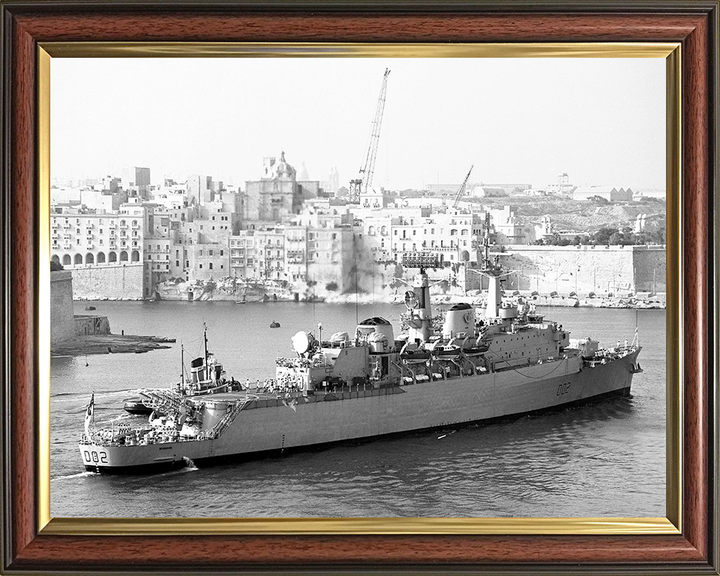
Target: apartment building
{"type": "Point", "coordinates": [79, 238]}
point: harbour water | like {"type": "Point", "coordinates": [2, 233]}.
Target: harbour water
{"type": "Point", "coordinates": [605, 459]}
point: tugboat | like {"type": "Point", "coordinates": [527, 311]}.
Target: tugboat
{"type": "Point", "coordinates": [205, 378]}
{"type": "Point", "coordinates": [369, 384]}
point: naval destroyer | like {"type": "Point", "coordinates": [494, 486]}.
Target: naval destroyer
{"type": "Point", "coordinates": [506, 361]}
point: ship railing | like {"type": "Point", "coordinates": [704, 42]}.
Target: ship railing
{"type": "Point", "coordinates": [164, 401]}
{"type": "Point", "coordinates": [405, 368]}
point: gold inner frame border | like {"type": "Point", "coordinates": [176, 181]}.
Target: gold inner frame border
{"type": "Point", "coordinates": [671, 524]}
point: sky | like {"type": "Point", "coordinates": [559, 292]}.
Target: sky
{"type": "Point", "coordinates": [515, 120]}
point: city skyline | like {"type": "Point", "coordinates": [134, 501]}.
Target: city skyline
{"type": "Point", "coordinates": [600, 120]}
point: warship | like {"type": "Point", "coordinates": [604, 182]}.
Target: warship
{"type": "Point", "coordinates": [504, 362]}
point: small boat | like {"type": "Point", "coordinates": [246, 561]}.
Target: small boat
{"type": "Point", "coordinates": [411, 356]}
{"type": "Point", "coordinates": [206, 378]}
{"type": "Point", "coordinates": [90, 308]}
{"type": "Point", "coordinates": [135, 405]}
{"type": "Point", "coordinates": [275, 325]}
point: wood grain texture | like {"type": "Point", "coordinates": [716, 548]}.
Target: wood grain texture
{"type": "Point", "coordinates": [320, 27]}
{"type": "Point", "coordinates": [696, 206]}
{"type": "Point", "coordinates": [22, 281]}
{"type": "Point", "coordinates": [687, 553]}
{"type": "Point", "coordinates": [221, 552]}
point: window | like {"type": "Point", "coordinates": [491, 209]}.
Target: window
{"type": "Point", "coordinates": [210, 252]}
{"type": "Point", "coordinates": [211, 266]}
{"type": "Point", "coordinates": [201, 266]}
{"type": "Point", "coordinates": [221, 252]}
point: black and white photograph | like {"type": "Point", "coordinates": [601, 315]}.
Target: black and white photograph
{"type": "Point", "coordinates": [358, 287]}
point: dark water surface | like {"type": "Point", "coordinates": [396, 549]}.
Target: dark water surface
{"type": "Point", "coordinates": [607, 459]}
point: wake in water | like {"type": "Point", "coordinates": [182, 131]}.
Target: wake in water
{"type": "Point", "coordinates": [78, 475]}
{"type": "Point", "coordinates": [100, 394]}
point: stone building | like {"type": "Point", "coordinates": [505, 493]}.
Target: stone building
{"type": "Point", "coordinates": [278, 194]}
{"type": "Point", "coordinates": [242, 254]}
{"type": "Point", "coordinates": [608, 193]}
{"type": "Point", "coordinates": [80, 238]}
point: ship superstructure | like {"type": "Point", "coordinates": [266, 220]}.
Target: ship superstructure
{"type": "Point", "coordinates": [507, 360]}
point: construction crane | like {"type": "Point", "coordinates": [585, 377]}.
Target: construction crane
{"type": "Point", "coordinates": [461, 191]}
{"type": "Point", "coordinates": [364, 180]}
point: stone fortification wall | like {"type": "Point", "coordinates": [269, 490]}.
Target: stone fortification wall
{"type": "Point", "coordinates": [108, 282]}
{"type": "Point", "coordinates": [650, 268]}
{"type": "Point", "coordinates": [583, 269]}
{"type": "Point", "coordinates": [62, 323]}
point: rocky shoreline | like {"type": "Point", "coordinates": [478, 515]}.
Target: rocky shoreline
{"type": "Point", "coordinates": [109, 344]}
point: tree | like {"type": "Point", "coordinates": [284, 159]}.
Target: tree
{"type": "Point", "coordinates": [602, 236]}
{"type": "Point", "coordinates": [616, 238]}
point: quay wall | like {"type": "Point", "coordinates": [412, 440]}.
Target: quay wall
{"type": "Point", "coordinates": [601, 269]}
{"type": "Point", "coordinates": [109, 282]}
{"type": "Point", "coordinates": [62, 323]}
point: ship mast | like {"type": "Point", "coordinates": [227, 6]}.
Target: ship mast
{"type": "Point", "coordinates": [207, 368]}
{"type": "Point", "coordinates": [417, 300]}
{"type": "Point", "coordinates": [182, 367]}
{"type": "Point", "coordinates": [493, 271]}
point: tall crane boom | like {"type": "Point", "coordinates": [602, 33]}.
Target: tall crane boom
{"type": "Point", "coordinates": [461, 191]}
{"type": "Point", "coordinates": [364, 179]}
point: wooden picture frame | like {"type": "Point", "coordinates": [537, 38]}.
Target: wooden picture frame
{"type": "Point", "coordinates": [29, 545]}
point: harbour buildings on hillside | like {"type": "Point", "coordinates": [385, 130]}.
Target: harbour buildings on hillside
{"type": "Point", "coordinates": [125, 243]}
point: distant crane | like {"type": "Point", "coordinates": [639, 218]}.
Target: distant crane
{"type": "Point", "coordinates": [364, 180]}
{"type": "Point", "coordinates": [461, 191]}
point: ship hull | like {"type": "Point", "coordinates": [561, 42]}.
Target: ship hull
{"type": "Point", "coordinates": [362, 416]}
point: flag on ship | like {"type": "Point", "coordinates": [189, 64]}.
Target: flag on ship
{"type": "Point", "coordinates": [90, 415]}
